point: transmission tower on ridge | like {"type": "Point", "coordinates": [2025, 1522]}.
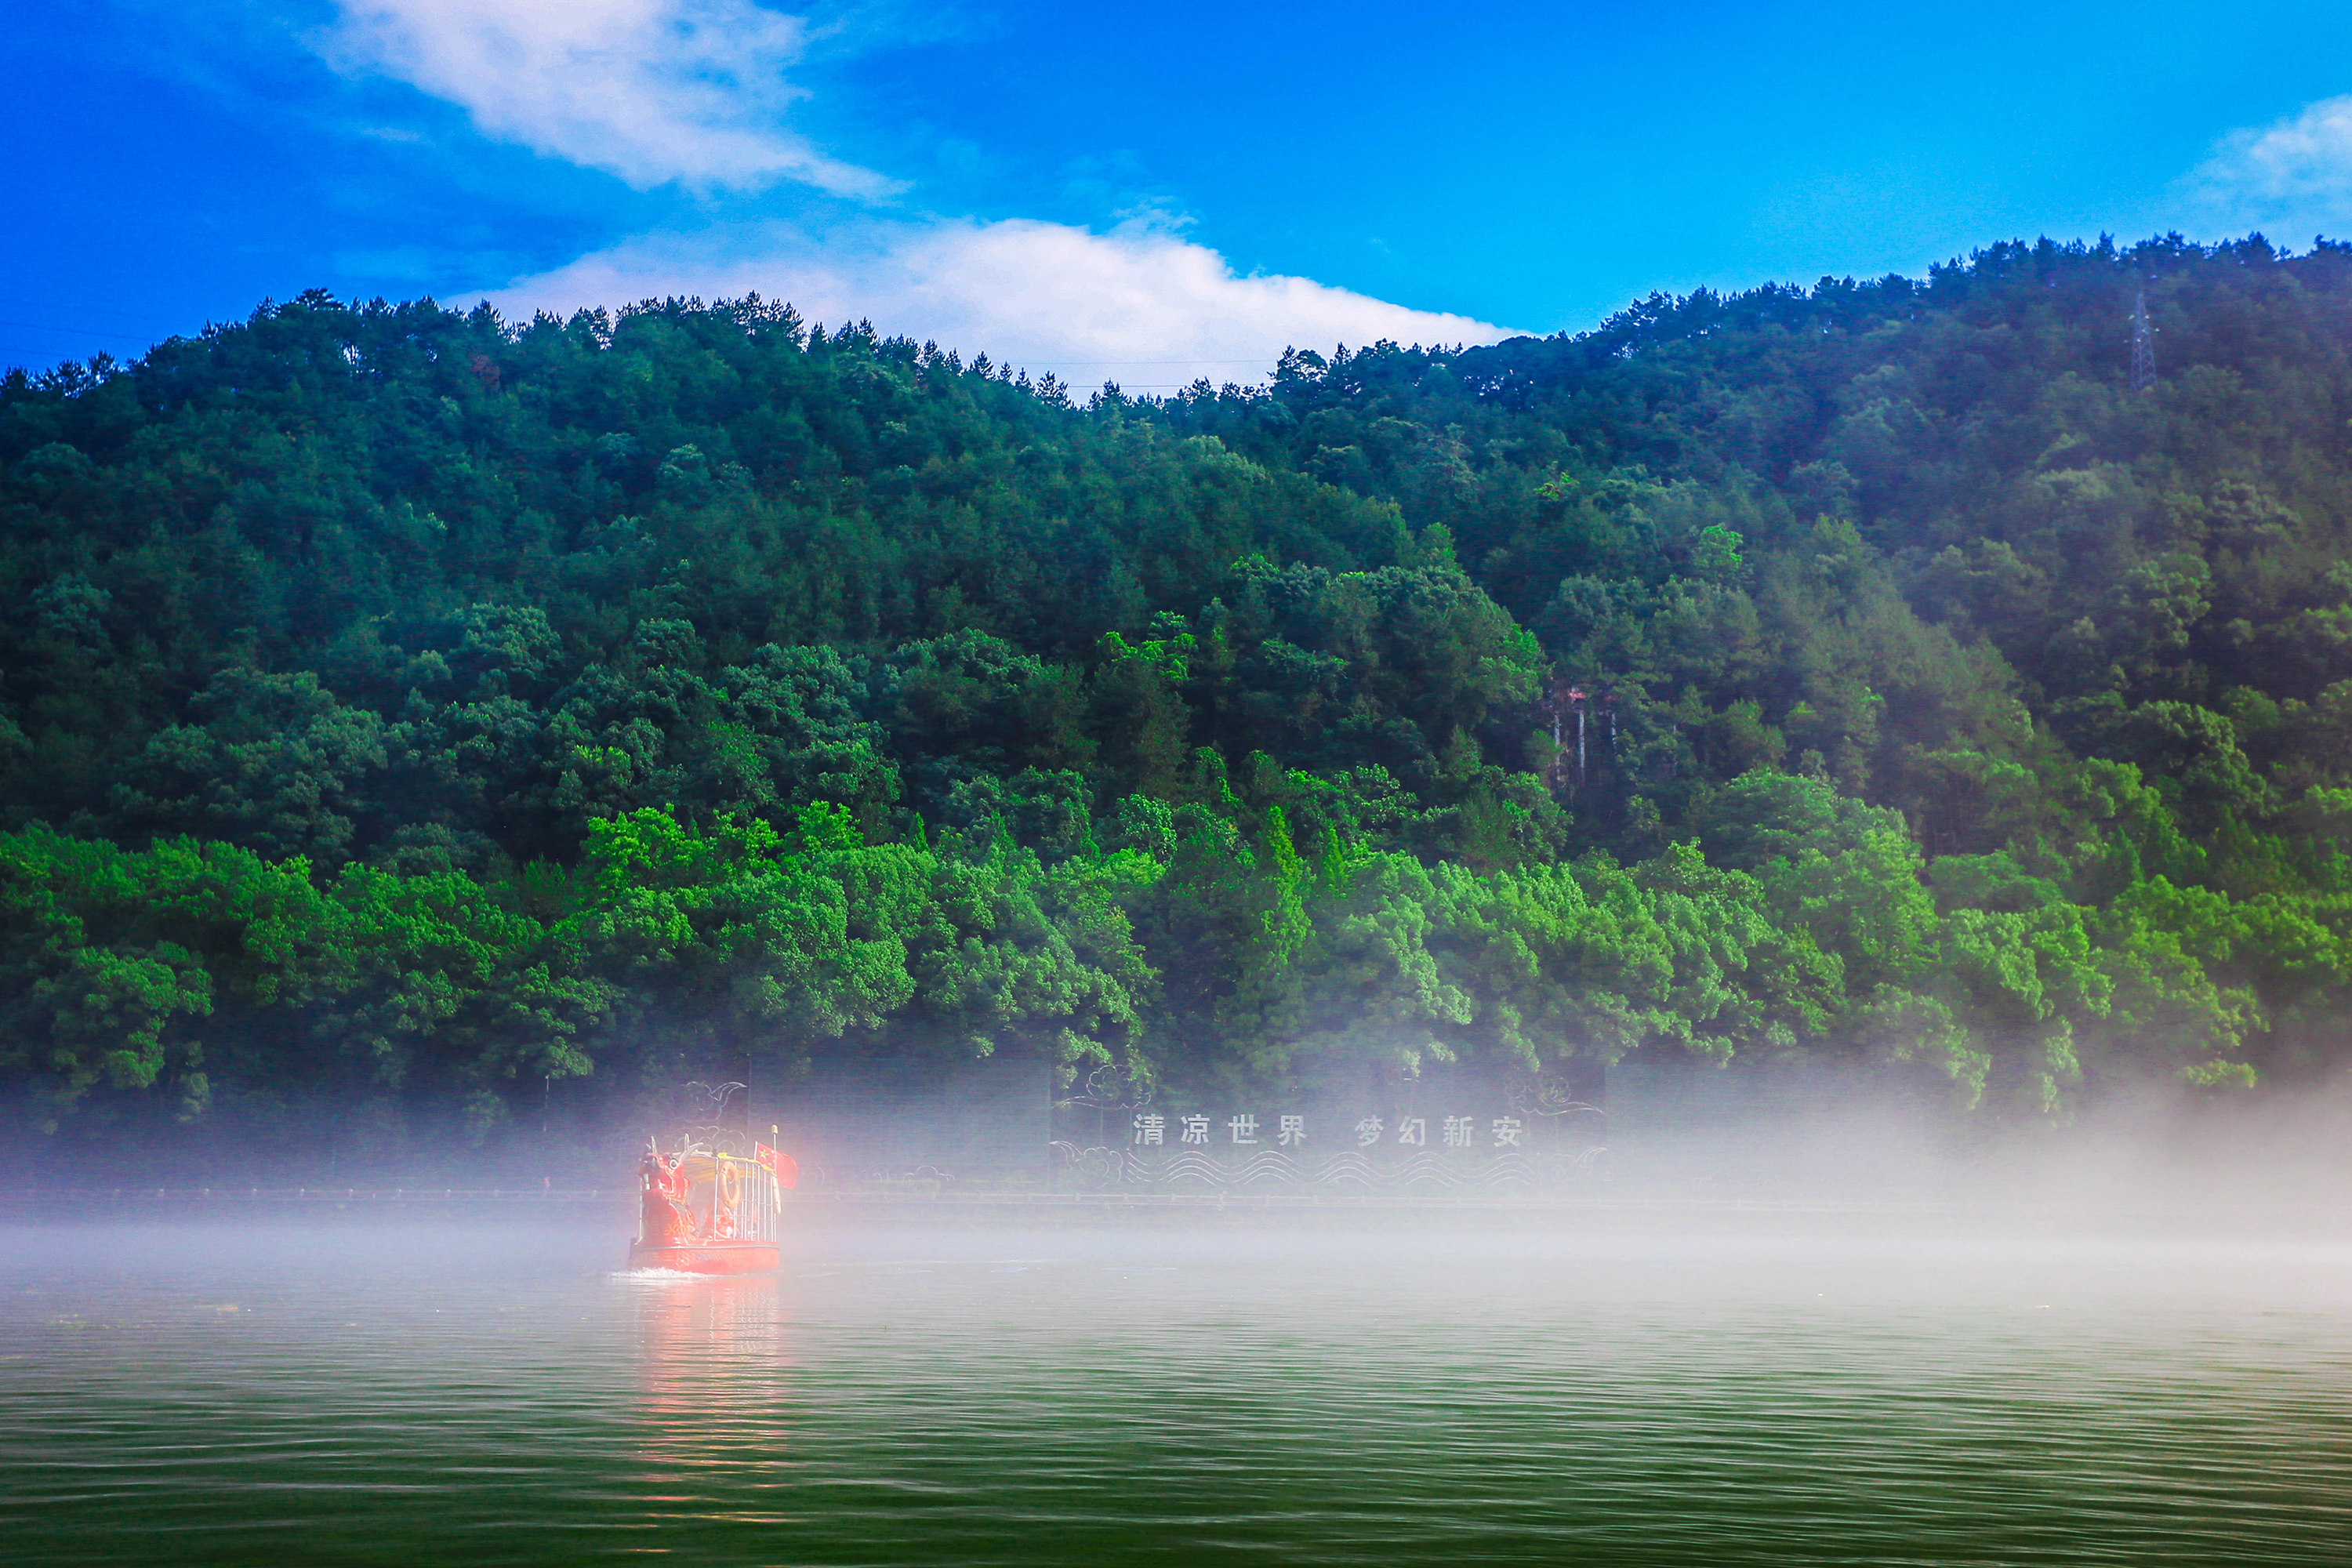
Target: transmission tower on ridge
{"type": "Point", "coordinates": [2143, 344]}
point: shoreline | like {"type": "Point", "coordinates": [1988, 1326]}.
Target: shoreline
{"type": "Point", "coordinates": [73, 1206]}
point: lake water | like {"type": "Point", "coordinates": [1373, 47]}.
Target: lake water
{"type": "Point", "coordinates": [1413, 1391]}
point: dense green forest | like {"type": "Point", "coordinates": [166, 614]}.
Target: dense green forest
{"type": "Point", "coordinates": [408, 709]}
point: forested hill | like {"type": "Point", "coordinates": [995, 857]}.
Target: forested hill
{"type": "Point", "coordinates": [402, 708]}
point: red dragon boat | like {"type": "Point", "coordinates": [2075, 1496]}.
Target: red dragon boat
{"type": "Point", "coordinates": [705, 1211]}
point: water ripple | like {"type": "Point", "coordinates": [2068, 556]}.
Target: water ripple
{"type": "Point", "coordinates": [1186, 1401]}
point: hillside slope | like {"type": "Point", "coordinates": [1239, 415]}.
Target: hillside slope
{"type": "Point", "coordinates": [408, 707]}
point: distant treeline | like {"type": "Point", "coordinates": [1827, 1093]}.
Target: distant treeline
{"type": "Point", "coordinates": [403, 708]}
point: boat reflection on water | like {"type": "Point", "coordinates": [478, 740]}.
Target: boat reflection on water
{"type": "Point", "coordinates": [695, 1333]}
{"type": "Point", "coordinates": [713, 1367]}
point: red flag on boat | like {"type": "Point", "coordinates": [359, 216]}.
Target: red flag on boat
{"type": "Point", "coordinates": [784, 1167]}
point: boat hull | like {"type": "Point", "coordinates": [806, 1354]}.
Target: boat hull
{"type": "Point", "coordinates": [709, 1257]}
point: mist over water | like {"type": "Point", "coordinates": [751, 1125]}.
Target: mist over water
{"type": "Point", "coordinates": [1381, 1388]}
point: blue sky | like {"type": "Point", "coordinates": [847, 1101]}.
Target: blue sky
{"type": "Point", "coordinates": [1137, 193]}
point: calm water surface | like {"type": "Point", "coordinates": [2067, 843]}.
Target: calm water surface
{"type": "Point", "coordinates": [1382, 1395]}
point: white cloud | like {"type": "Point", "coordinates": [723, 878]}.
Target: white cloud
{"type": "Point", "coordinates": [1138, 306]}
{"type": "Point", "coordinates": [2294, 175]}
{"type": "Point", "coordinates": [652, 90]}
{"type": "Point", "coordinates": [694, 91]}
